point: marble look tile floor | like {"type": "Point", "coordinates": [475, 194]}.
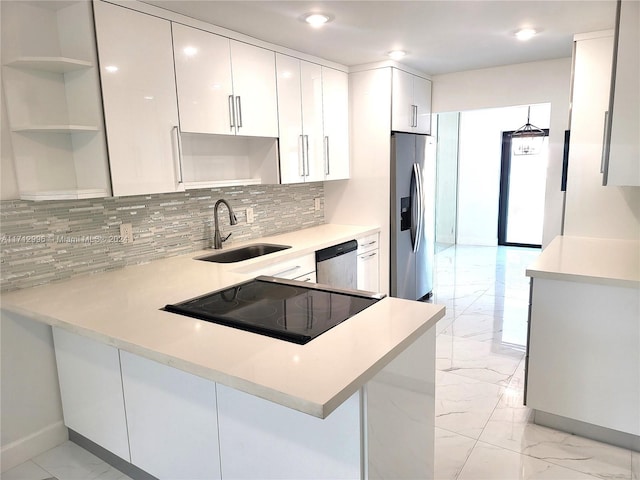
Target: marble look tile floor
{"type": "Point", "coordinates": [64, 462]}
{"type": "Point", "coordinates": [483, 431]}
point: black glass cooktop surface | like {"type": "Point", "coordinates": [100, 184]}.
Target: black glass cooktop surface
{"type": "Point", "coordinates": [284, 309]}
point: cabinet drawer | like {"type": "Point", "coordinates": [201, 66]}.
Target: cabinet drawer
{"type": "Point", "coordinates": [291, 269]}
{"type": "Point", "coordinates": [368, 243]}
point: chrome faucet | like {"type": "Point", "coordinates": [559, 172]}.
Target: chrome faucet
{"type": "Point", "coordinates": [217, 238]}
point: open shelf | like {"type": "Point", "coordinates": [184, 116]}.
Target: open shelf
{"type": "Point", "coordinates": [50, 64]}
{"type": "Point", "coordinates": [65, 194]}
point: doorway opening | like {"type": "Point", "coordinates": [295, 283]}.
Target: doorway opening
{"type": "Point", "coordinates": [522, 190]}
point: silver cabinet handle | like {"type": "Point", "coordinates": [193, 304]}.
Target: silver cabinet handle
{"type": "Point", "coordinates": [292, 269]}
{"type": "Point", "coordinates": [232, 113]}
{"type": "Point", "coordinates": [327, 168]}
{"type": "Point", "coordinates": [306, 149]}
{"type": "Point", "coordinates": [301, 155]}
{"type": "Point", "coordinates": [415, 116]}
{"type": "Point", "coordinates": [239, 111]}
{"type": "Point", "coordinates": [367, 244]}
{"type": "Point", "coordinates": [176, 129]}
{"type": "Point", "coordinates": [367, 257]}
{"type": "Point", "coordinates": [605, 141]}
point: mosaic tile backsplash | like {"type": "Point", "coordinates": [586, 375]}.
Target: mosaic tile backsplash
{"type": "Point", "coordinates": [42, 242]}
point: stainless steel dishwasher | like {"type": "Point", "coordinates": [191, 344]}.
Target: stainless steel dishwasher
{"type": "Point", "coordinates": [337, 266]}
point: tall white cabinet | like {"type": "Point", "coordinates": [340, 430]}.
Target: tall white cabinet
{"type": "Point", "coordinates": [139, 91]}
{"type": "Point", "coordinates": [53, 105]}
{"type": "Point", "coordinates": [622, 163]}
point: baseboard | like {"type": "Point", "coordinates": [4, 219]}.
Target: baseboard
{"type": "Point", "coordinates": [15, 453]}
{"type": "Point", "coordinates": [587, 430]}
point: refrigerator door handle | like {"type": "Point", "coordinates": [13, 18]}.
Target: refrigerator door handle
{"type": "Point", "coordinates": [416, 207]}
{"type": "Point", "coordinates": [421, 210]}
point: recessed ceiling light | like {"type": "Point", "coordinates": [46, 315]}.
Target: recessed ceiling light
{"type": "Point", "coordinates": [111, 68]}
{"type": "Point", "coordinates": [525, 34]}
{"type": "Point", "coordinates": [396, 54]}
{"type": "Point", "coordinates": [316, 20]}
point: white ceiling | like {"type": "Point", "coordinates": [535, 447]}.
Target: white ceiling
{"type": "Point", "coordinates": [440, 36]}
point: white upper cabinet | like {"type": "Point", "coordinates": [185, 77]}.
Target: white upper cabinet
{"type": "Point", "coordinates": [254, 88]}
{"type": "Point", "coordinates": [139, 93]}
{"type": "Point", "coordinates": [411, 103]}
{"type": "Point", "coordinates": [335, 95]}
{"type": "Point", "coordinates": [203, 77]}
{"type": "Point", "coordinates": [300, 118]}
{"type": "Point", "coordinates": [224, 87]}
{"type": "Point", "coordinates": [314, 121]}
{"type": "Point", "coordinates": [623, 162]}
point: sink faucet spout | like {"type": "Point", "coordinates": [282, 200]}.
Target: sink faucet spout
{"type": "Point", "coordinates": [217, 237]}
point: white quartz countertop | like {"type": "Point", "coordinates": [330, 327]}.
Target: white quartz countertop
{"type": "Point", "coordinates": [122, 308]}
{"type": "Point", "coordinates": [590, 260]}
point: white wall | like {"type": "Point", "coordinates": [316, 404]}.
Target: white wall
{"type": "Point", "coordinates": [479, 165]}
{"type": "Point", "coordinates": [521, 84]}
{"type": "Point", "coordinates": [31, 406]}
{"type": "Point", "coordinates": [364, 198]}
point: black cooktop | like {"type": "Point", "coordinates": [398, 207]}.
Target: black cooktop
{"type": "Point", "coordinates": [285, 309]}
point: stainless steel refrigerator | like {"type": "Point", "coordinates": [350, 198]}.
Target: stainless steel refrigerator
{"type": "Point", "coordinates": [413, 172]}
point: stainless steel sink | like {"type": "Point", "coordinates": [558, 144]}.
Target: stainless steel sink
{"type": "Point", "coordinates": [243, 253]}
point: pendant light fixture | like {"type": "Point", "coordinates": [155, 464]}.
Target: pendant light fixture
{"type": "Point", "coordinates": [528, 139]}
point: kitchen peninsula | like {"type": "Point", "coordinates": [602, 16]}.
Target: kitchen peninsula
{"type": "Point", "coordinates": [583, 357]}
{"type": "Point", "coordinates": [182, 398]}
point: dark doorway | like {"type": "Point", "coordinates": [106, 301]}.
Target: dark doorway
{"type": "Point", "coordinates": [522, 187]}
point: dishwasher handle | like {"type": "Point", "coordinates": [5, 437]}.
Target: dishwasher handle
{"type": "Point", "coordinates": [336, 250]}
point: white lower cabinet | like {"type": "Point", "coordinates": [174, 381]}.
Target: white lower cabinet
{"type": "Point", "coordinates": [584, 353]}
{"type": "Point", "coordinates": [261, 439]}
{"type": "Point", "coordinates": [368, 264]}
{"type": "Point", "coordinates": [91, 390]}
{"type": "Point", "coordinates": [172, 420]}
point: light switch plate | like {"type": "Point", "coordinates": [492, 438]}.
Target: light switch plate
{"type": "Point", "coordinates": [126, 233]}
{"type": "Point", "coordinates": [317, 203]}
{"type": "Point", "coordinates": [249, 215]}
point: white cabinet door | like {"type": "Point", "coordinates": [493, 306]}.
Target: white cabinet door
{"type": "Point", "coordinates": [411, 103]}
{"type": "Point", "coordinates": [422, 101]}
{"type": "Point", "coordinates": [623, 167]}
{"type": "Point", "coordinates": [290, 119]}
{"type": "Point", "coordinates": [173, 425]}
{"type": "Point", "coordinates": [91, 389]}
{"type": "Point", "coordinates": [301, 121]}
{"type": "Point", "coordinates": [261, 439]}
{"type": "Point", "coordinates": [254, 88]}
{"type": "Point", "coordinates": [203, 78]}
{"type": "Point", "coordinates": [402, 107]}
{"type": "Point", "coordinates": [139, 96]}
{"type": "Point", "coordinates": [311, 83]}
{"type": "Point", "coordinates": [335, 100]}
{"type": "Point", "coordinates": [577, 369]}
{"type": "Point", "coordinates": [368, 271]}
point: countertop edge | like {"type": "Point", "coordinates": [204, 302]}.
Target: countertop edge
{"type": "Point", "coordinates": [575, 277]}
